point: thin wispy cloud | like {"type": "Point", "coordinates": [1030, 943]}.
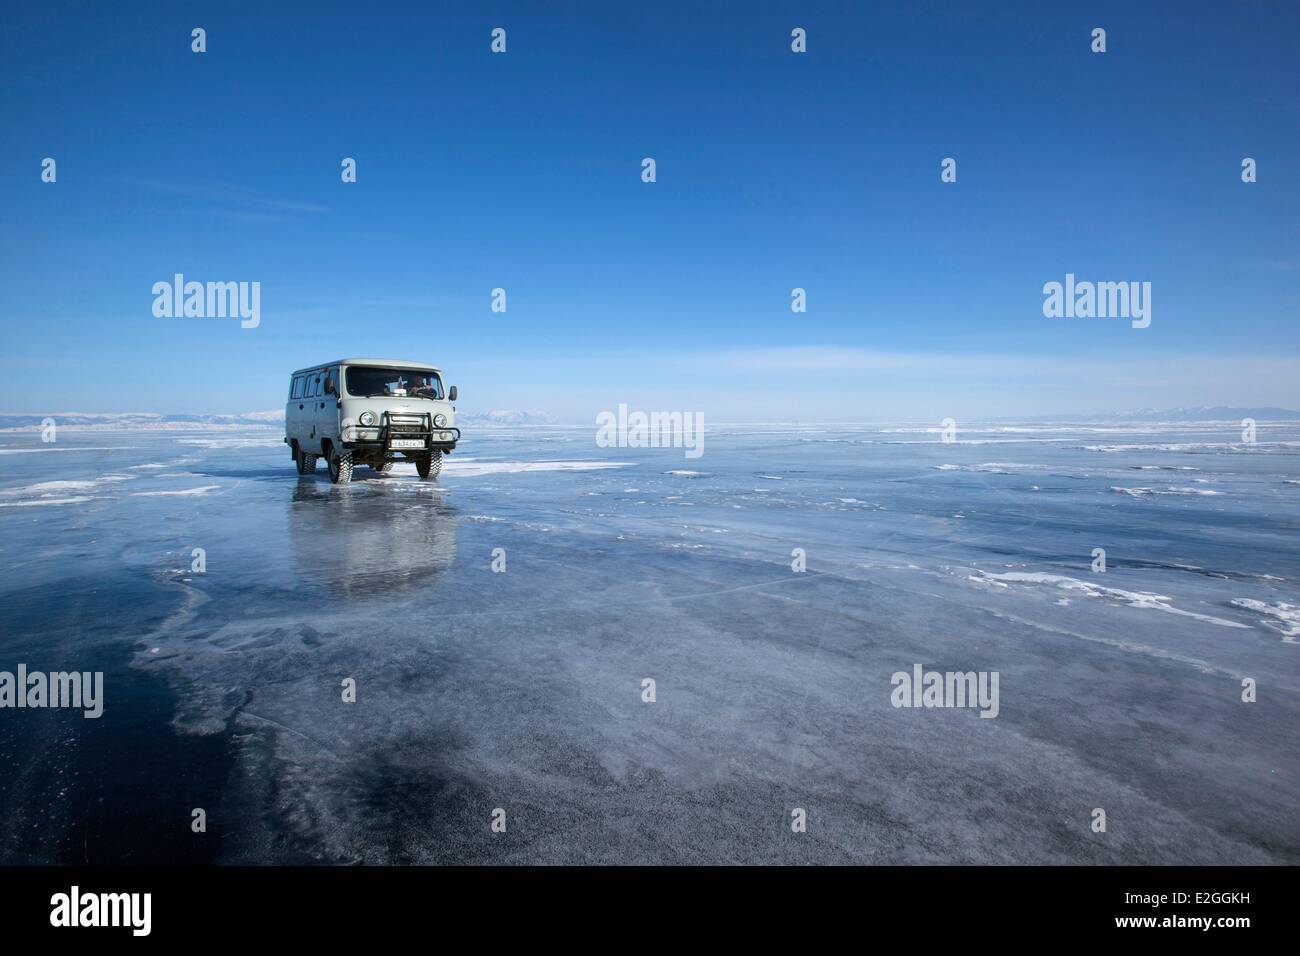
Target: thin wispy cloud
{"type": "Point", "coordinates": [234, 202]}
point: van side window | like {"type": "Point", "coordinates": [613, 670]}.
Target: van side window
{"type": "Point", "coordinates": [296, 392]}
{"type": "Point", "coordinates": [313, 385]}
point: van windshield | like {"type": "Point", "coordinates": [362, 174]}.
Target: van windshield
{"type": "Point", "coordinates": [368, 382]}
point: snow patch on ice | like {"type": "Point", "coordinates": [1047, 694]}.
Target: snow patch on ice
{"type": "Point", "coordinates": [201, 490]}
{"type": "Point", "coordinates": [1191, 446]}
{"type": "Point", "coordinates": [42, 487]}
{"type": "Point", "coordinates": [990, 467]}
{"type": "Point", "coordinates": [1137, 599]}
{"type": "Point", "coordinates": [1145, 492]}
{"type": "Point", "coordinates": [30, 451]}
{"type": "Point", "coordinates": [47, 492]}
{"type": "Point", "coordinates": [1281, 617]}
{"type": "Point", "coordinates": [45, 501]}
{"type": "Point", "coordinates": [261, 442]}
{"type": "Point", "coordinates": [472, 468]}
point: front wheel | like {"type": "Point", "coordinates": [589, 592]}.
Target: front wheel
{"type": "Point", "coordinates": [429, 466]}
{"type": "Point", "coordinates": [340, 467]}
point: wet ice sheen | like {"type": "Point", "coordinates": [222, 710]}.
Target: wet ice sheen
{"type": "Point", "coordinates": [522, 689]}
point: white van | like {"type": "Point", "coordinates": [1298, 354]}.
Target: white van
{"type": "Point", "coordinates": [369, 412]}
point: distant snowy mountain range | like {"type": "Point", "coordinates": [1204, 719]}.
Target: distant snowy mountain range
{"type": "Point", "coordinates": [1196, 413]}
{"type": "Point", "coordinates": [108, 421]}
{"type": "Point", "coordinates": [506, 418]}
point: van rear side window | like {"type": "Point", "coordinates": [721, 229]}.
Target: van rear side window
{"type": "Point", "coordinates": [296, 391]}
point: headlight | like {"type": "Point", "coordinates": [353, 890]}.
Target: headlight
{"type": "Point", "coordinates": [439, 421]}
{"type": "Point", "coordinates": [366, 418]}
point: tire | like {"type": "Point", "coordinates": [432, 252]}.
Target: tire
{"type": "Point", "coordinates": [306, 463]}
{"type": "Point", "coordinates": [429, 467]}
{"type": "Point", "coordinates": [341, 468]}
{"type": "Point", "coordinates": [383, 469]}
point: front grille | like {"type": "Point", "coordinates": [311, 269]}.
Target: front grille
{"type": "Point", "coordinates": [419, 424]}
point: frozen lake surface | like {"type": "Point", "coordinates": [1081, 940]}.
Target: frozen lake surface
{"type": "Point", "coordinates": [522, 689]}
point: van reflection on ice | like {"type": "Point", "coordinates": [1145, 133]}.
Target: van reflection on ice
{"type": "Point", "coordinates": [377, 538]}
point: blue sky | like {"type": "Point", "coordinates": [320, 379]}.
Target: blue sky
{"type": "Point", "coordinates": [775, 170]}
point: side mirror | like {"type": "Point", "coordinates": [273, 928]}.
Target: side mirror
{"type": "Point", "coordinates": [451, 394]}
{"type": "Point", "coordinates": [329, 385]}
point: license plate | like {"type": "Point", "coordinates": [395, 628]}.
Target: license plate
{"type": "Point", "coordinates": [406, 443]}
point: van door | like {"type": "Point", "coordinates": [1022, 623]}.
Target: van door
{"type": "Point", "coordinates": [307, 414]}
{"type": "Point", "coordinates": [325, 412]}
{"type": "Point", "coordinates": [291, 409]}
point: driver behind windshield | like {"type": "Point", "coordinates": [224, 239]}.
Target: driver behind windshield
{"type": "Point", "coordinates": [369, 382]}
{"type": "Point", "coordinates": [423, 387]}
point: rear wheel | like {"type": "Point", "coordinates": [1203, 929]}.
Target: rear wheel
{"type": "Point", "coordinates": [340, 467]}
{"type": "Point", "coordinates": [429, 466]}
{"type": "Point", "coordinates": [383, 468]}
{"type": "Point", "coordinates": [306, 463]}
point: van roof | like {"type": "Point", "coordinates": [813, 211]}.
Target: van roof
{"type": "Point", "coordinates": [386, 363]}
